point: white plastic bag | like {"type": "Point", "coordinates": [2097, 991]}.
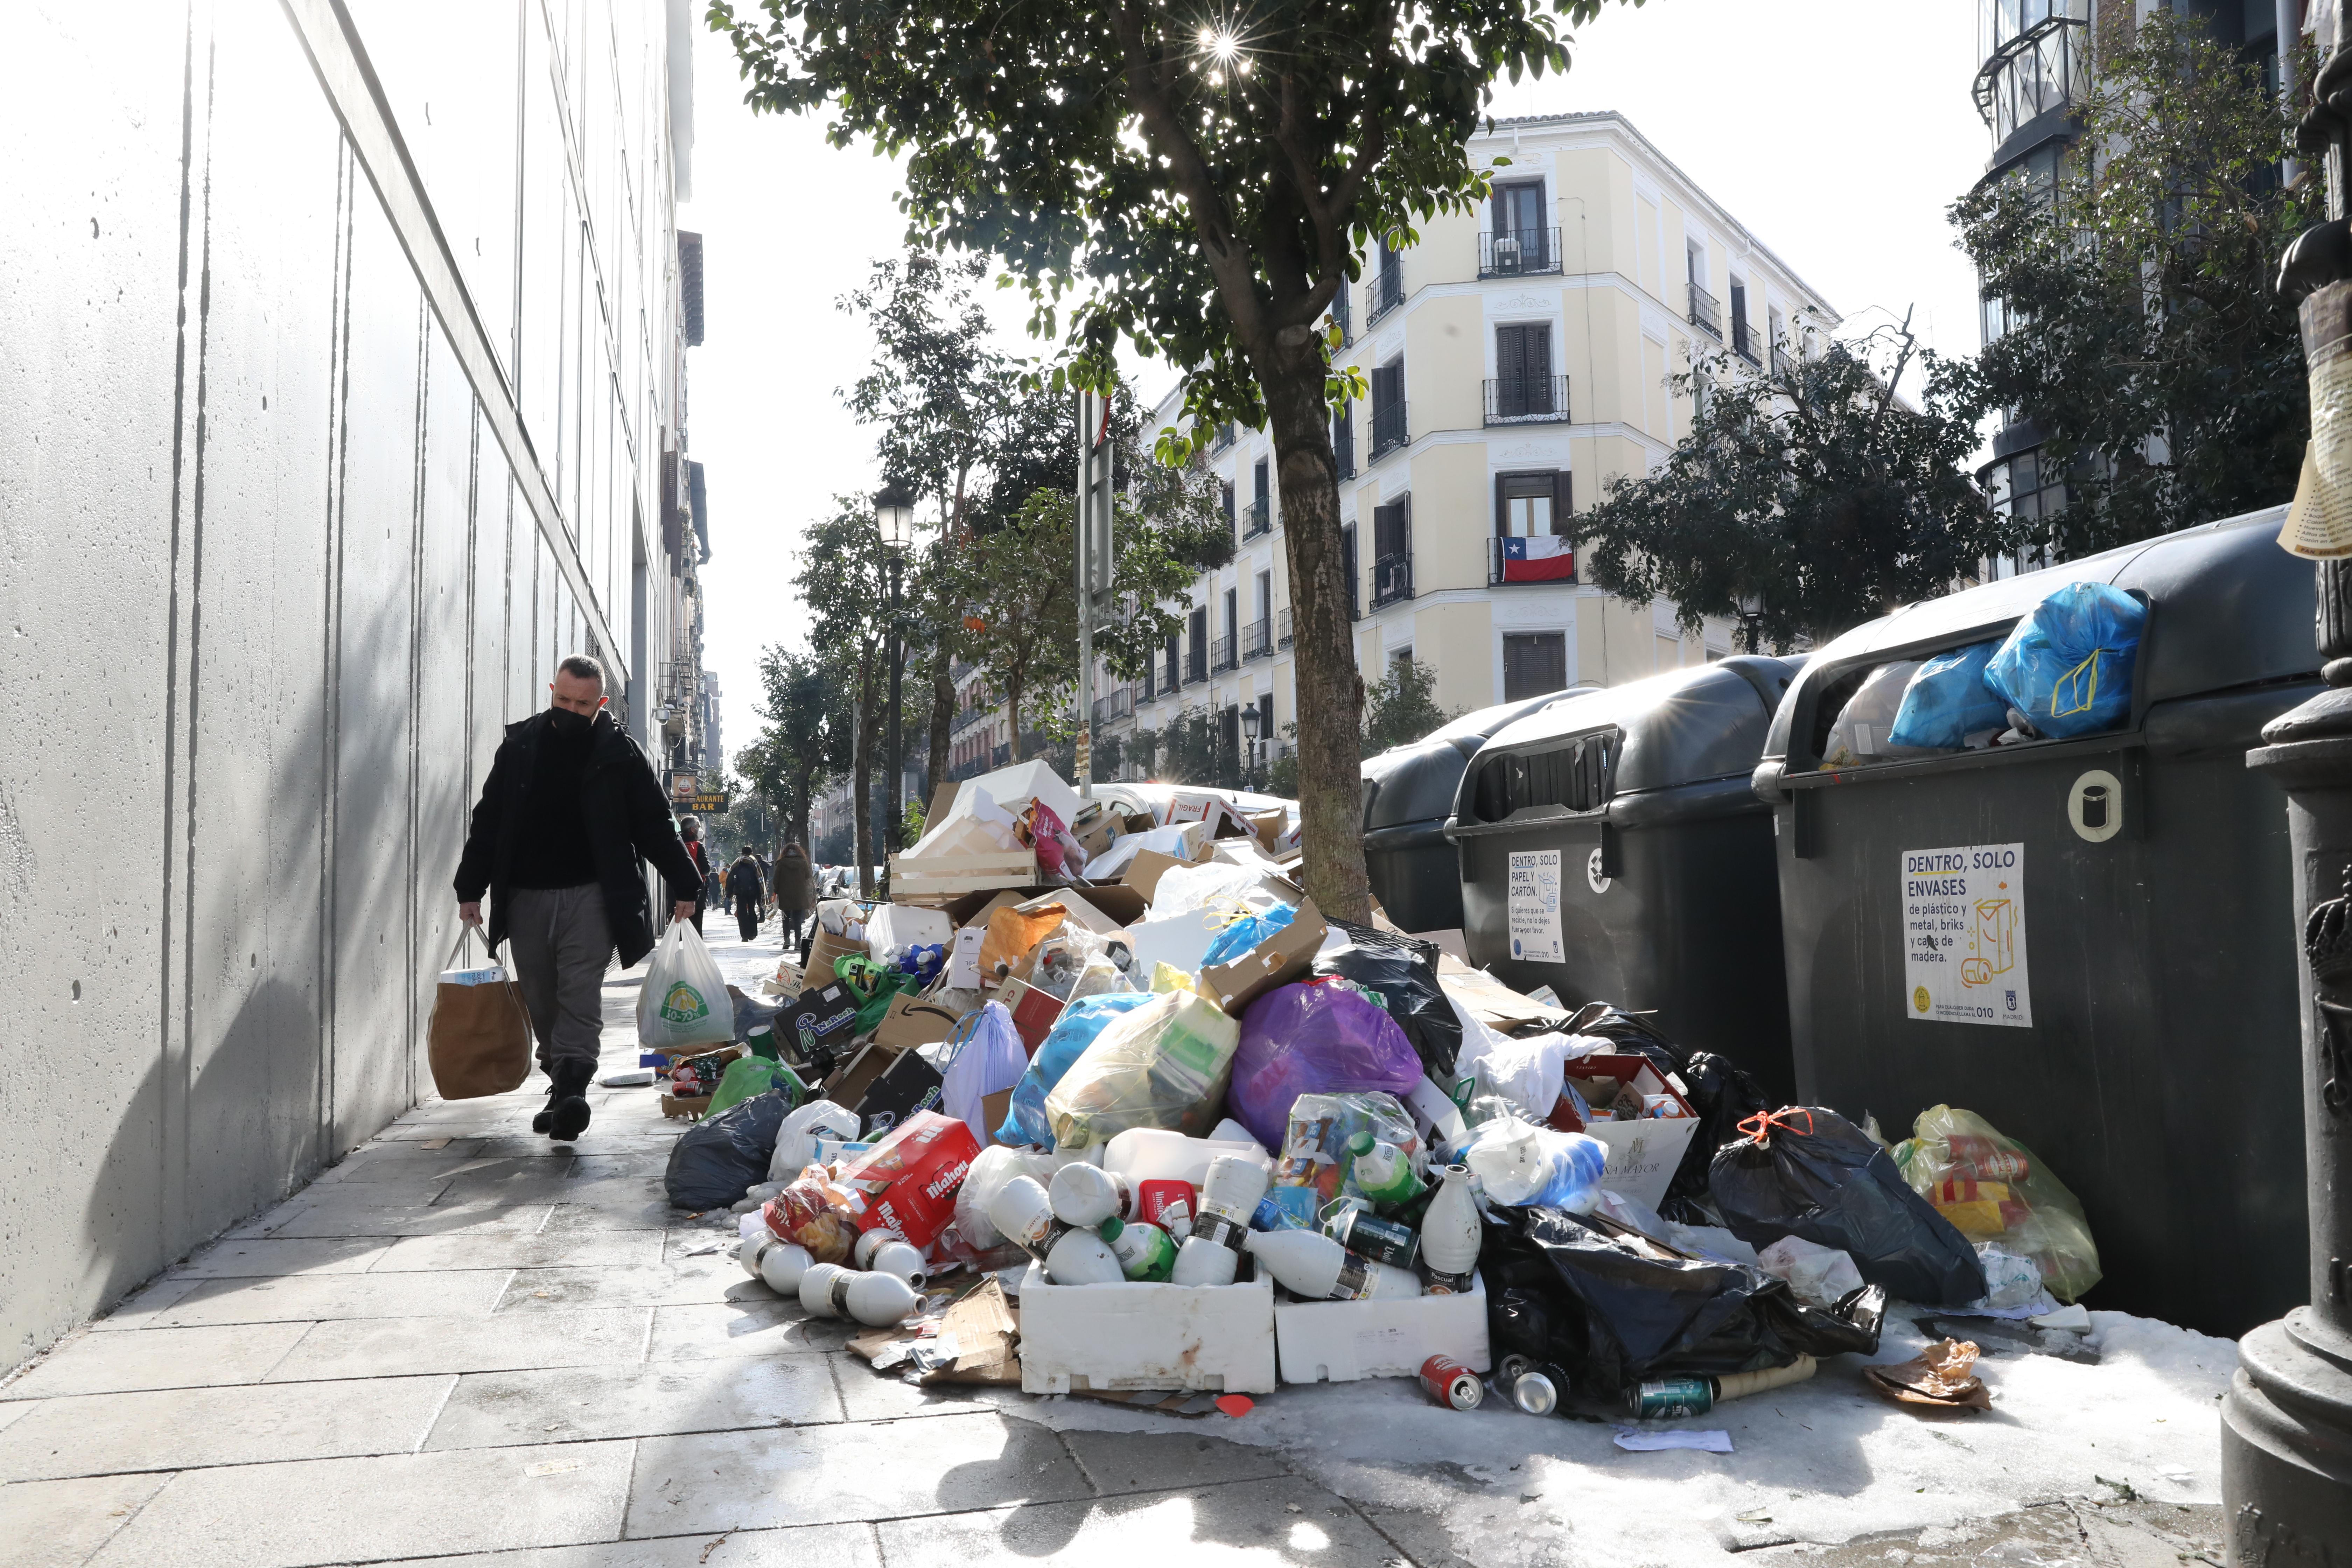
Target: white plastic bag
{"type": "Point", "coordinates": [991, 1060]}
{"type": "Point", "coordinates": [1520, 1163]}
{"type": "Point", "coordinates": [796, 1139]}
{"type": "Point", "coordinates": [1818, 1276]}
{"type": "Point", "coordinates": [684, 1000]}
{"type": "Point", "coordinates": [1529, 1072]}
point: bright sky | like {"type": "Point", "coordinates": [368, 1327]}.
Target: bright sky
{"type": "Point", "coordinates": [1837, 131]}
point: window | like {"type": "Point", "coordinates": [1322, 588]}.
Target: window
{"type": "Point", "coordinates": [1196, 664]}
{"type": "Point", "coordinates": [1174, 678]}
{"type": "Point", "coordinates": [1392, 552]}
{"type": "Point", "coordinates": [1257, 482]}
{"type": "Point", "coordinates": [1522, 239]}
{"type": "Point", "coordinates": [1526, 506]}
{"type": "Point", "coordinates": [1348, 562]}
{"type": "Point", "coordinates": [1743, 340]}
{"type": "Point", "coordinates": [1523, 379]}
{"type": "Point", "coordinates": [1343, 439]}
{"type": "Point", "coordinates": [1388, 284]}
{"type": "Point", "coordinates": [1533, 664]}
{"type": "Point", "coordinates": [1233, 612]}
{"type": "Point", "coordinates": [1226, 498]}
{"type": "Point", "coordinates": [1389, 430]}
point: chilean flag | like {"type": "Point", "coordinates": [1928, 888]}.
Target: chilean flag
{"type": "Point", "coordinates": [1545, 558]}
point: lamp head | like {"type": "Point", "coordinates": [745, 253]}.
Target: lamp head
{"type": "Point", "coordinates": [1250, 717]}
{"type": "Point", "coordinates": [894, 514]}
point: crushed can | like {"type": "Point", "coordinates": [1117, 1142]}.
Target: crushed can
{"type": "Point", "coordinates": [1534, 1394]}
{"type": "Point", "coordinates": [1451, 1383]}
{"type": "Point", "coordinates": [1671, 1398]}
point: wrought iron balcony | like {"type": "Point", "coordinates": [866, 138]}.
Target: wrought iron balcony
{"type": "Point", "coordinates": [1391, 579]}
{"type": "Point", "coordinates": [1196, 664]}
{"type": "Point", "coordinates": [1526, 400]}
{"type": "Point", "coordinates": [1257, 638]}
{"type": "Point", "coordinates": [1223, 438]}
{"type": "Point", "coordinates": [1706, 312]}
{"type": "Point", "coordinates": [1113, 705]}
{"type": "Point", "coordinates": [1743, 341]}
{"type": "Point", "coordinates": [1220, 654]}
{"type": "Point", "coordinates": [1339, 315]}
{"type": "Point", "coordinates": [1518, 252]}
{"type": "Point", "coordinates": [1388, 293]}
{"type": "Point", "coordinates": [1783, 362]}
{"type": "Point", "coordinates": [1282, 634]}
{"type": "Point", "coordinates": [967, 717]}
{"type": "Point", "coordinates": [1257, 518]}
{"type": "Point", "coordinates": [1389, 430]}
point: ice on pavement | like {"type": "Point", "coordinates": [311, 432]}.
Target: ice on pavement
{"type": "Point", "coordinates": [1821, 1461]}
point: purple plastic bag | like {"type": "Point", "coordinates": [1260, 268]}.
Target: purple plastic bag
{"type": "Point", "coordinates": [1314, 1037]}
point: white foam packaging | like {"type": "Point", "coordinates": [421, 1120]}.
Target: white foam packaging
{"type": "Point", "coordinates": [904, 925]}
{"type": "Point", "coordinates": [1344, 1342]}
{"type": "Point", "coordinates": [1214, 1337]}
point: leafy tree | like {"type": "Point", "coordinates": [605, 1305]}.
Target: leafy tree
{"type": "Point", "coordinates": [844, 579]}
{"type": "Point", "coordinates": [1401, 706]}
{"type": "Point", "coordinates": [1811, 497]}
{"type": "Point", "coordinates": [1202, 187]}
{"type": "Point", "coordinates": [805, 741]}
{"type": "Point", "coordinates": [2144, 335]}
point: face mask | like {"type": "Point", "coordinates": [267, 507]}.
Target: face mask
{"type": "Point", "coordinates": [567, 722]}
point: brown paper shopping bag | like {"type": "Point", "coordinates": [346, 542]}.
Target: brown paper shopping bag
{"type": "Point", "coordinates": [480, 1040]}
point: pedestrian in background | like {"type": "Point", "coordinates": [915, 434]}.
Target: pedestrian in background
{"type": "Point", "coordinates": [795, 892]}
{"type": "Point", "coordinates": [690, 828]}
{"type": "Point", "coordinates": [568, 817]}
{"type": "Point", "coordinates": [746, 889]}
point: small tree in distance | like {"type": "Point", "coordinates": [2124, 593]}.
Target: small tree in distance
{"type": "Point", "coordinates": [1811, 498]}
{"type": "Point", "coordinates": [1199, 181]}
{"type": "Point", "coordinates": [1402, 706]}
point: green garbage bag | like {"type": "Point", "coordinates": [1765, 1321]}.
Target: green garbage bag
{"type": "Point", "coordinates": [748, 1076]}
{"type": "Point", "coordinates": [873, 984]}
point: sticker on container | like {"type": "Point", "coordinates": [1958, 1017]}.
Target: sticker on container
{"type": "Point", "coordinates": [1964, 935]}
{"type": "Point", "coordinates": [1534, 907]}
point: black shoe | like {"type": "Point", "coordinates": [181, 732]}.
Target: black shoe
{"type": "Point", "coordinates": [546, 1117]}
{"type": "Point", "coordinates": [567, 1101]}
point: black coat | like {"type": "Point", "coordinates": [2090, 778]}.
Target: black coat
{"type": "Point", "coordinates": [628, 822]}
{"type": "Point", "coordinates": [743, 880]}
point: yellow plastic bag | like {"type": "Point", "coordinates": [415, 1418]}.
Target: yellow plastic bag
{"type": "Point", "coordinates": [1164, 1063]}
{"type": "Point", "coordinates": [1993, 1189]}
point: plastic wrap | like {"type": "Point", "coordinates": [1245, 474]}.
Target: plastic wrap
{"type": "Point", "coordinates": [1316, 1142]}
{"type": "Point", "coordinates": [989, 1058]}
{"type": "Point", "coordinates": [1403, 973]}
{"type": "Point", "coordinates": [1078, 1026]}
{"type": "Point", "coordinates": [989, 1174]}
{"type": "Point", "coordinates": [815, 1212]}
{"type": "Point", "coordinates": [1314, 1037]}
{"type": "Point", "coordinates": [1165, 1064]}
{"type": "Point", "coordinates": [2068, 665]}
{"type": "Point", "coordinates": [1947, 701]}
{"type": "Point", "coordinates": [1860, 732]}
{"type": "Point", "coordinates": [748, 1076]}
{"type": "Point", "coordinates": [1993, 1189]}
{"type": "Point", "coordinates": [796, 1140]}
{"type": "Point", "coordinates": [1520, 1163]}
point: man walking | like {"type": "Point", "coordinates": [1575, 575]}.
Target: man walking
{"type": "Point", "coordinates": [568, 815]}
{"type": "Point", "coordinates": [745, 889]}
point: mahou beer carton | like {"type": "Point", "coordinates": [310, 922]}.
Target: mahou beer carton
{"type": "Point", "coordinates": [910, 1179]}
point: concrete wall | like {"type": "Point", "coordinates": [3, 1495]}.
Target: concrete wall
{"type": "Point", "coordinates": [280, 552]}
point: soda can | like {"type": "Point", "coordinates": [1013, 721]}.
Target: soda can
{"type": "Point", "coordinates": [1671, 1398]}
{"type": "Point", "coordinates": [1382, 1241]}
{"type": "Point", "coordinates": [1451, 1383]}
{"type": "Point", "coordinates": [1512, 1368]}
{"type": "Point", "coordinates": [1533, 1392]}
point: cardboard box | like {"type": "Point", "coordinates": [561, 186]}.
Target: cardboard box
{"type": "Point", "coordinates": [1644, 1155]}
{"type": "Point", "coordinates": [907, 1087]}
{"type": "Point", "coordinates": [691, 1110]}
{"type": "Point", "coordinates": [993, 1110]}
{"type": "Point", "coordinates": [1218, 1338]}
{"type": "Point", "coordinates": [1278, 960]}
{"type": "Point", "coordinates": [909, 1023]}
{"type": "Point", "coordinates": [1342, 1341]}
{"type": "Point", "coordinates": [849, 1082]}
{"type": "Point", "coordinates": [1109, 901]}
{"type": "Point", "coordinates": [1178, 941]}
{"type": "Point", "coordinates": [1269, 826]}
{"type": "Point", "coordinates": [904, 925]}
{"type": "Point", "coordinates": [822, 1022]}
{"type": "Point", "coordinates": [1149, 865]}
{"type": "Point", "coordinates": [823, 951]}
{"type": "Point", "coordinates": [1034, 1012]}
{"type": "Point", "coordinates": [909, 1178]}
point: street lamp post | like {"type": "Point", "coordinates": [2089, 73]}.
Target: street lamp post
{"type": "Point", "coordinates": [894, 514]}
{"type": "Point", "coordinates": [2286, 1421]}
{"type": "Point", "coordinates": [1250, 721]}
{"type": "Point", "coordinates": [1751, 620]}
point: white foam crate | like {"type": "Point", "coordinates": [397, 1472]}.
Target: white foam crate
{"type": "Point", "coordinates": [1343, 1342]}
{"type": "Point", "coordinates": [1216, 1338]}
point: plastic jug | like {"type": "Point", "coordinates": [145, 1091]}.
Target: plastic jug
{"type": "Point", "coordinates": [1155, 1153]}
{"type": "Point", "coordinates": [1449, 1233]}
{"type": "Point", "coordinates": [1082, 1258]}
{"type": "Point", "coordinates": [1318, 1268]}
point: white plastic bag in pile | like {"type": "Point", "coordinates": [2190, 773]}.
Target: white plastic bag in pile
{"type": "Point", "coordinates": [796, 1140]}
{"type": "Point", "coordinates": [1819, 1275]}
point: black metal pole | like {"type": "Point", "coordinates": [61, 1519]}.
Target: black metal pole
{"type": "Point", "coordinates": [898, 756]}
{"type": "Point", "coordinates": [2286, 1421]}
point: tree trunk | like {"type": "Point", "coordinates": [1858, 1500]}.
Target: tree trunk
{"type": "Point", "coordinates": [943, 712]}
{"type": "Point", "coordinates": [861, 767]}
{"type": "Point", "coordinates": [1330, 693]}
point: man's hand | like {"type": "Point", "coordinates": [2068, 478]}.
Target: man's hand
{"type": "Point", "coordinates": [471, 914]}
{"type": "Point", "coordinates": [682, 911]}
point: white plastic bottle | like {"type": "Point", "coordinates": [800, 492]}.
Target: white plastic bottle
{"type": "Point", "coordinates": [1085, 1196]}
{"type": "Point", "coordinates": [878, 1301]}
{"type": "Point", "coordinates": [1229, 1190]}
{"type": "Point", "coordinates": [1144, 1251]}
{"type": "Point", "coordinates": [1082, 1258]}
{"type": "Point", "coordinates": [817, 1289]}
{"type": "Point", "coordinates": [1449, 1233]}
{"type": "Point", "coordinates": [882, 1251]}
{"type": "Point", "coordinates": [1023, 1212]}
{"type": "Point", "coordinates": [780, 1265]}
{"type": "Point", "coordinates": [1311, 1264]}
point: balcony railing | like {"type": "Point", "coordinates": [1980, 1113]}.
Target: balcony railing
{"type": "Point", "coordinates": [1110, 708]}
{"type": "Point", "coordinates": [1515, 252]}
{"type": "Point", "coordinates": [966, 718]}
{"type": "Point", "coordinates": [1282, 631]}
{"type": "Point", "coordinates": [1257, 638]}
{"type": "Point", "coordinates": [1002, 756]}
{"type": "Point", "coordinates": [1743, 341]}
{"type": "Point", "coordinates": [1498, 560]}
{"type": "Point", "coordinates": [1527, 399]}
{"type": "Point", "coordinates": [1220, 654]}
{"type": "Point", "coordinates": [1391, 579]}
{"type": "Point", "coordinates": [1340, 316]}
{"type": "Point", "coordinates": [1257, 518]}
{"type": "Point", "coordinates": [1783, 362]}
{"type": "Point", "coordinates": [1223, 438]}
{"type": "Point", "coordinates": [1389, 430]}
{"type": "Point", "coordinates": [1388, 293]}
{"type": "Point", "coordinates": [1196, 664]}
{"type": "Point", "coordinates": [1705, 313]}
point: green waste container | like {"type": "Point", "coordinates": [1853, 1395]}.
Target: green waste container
{"type": "Point", "coordinates": [1612, 848]}
{"type": "Point", "coordinates": [2085, 941]}
{"type": "Point", "coordinates": [1408, 794]}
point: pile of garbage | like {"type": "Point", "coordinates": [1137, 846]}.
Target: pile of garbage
{"type": "Point", "coordinates": [1169, 1130]}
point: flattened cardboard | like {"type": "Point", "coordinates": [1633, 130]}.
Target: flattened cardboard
{"type": "Point", "coordinates": [850, 1081]}
{"type": "Point", "coordinates": [1278, 960]}
{"type": "Point", "coordinates": [1120, 904]}
{"type": "Point", "coordinates": [909, 1084]}
{"type": "Point", "coordinates": [824, 1019]}
{"type": "Point", "coordinates": [1078, 911]}
{"type": "Point", "coordinates": [1149, 865]}
{"type": "Point", "coordinates": [993, 1109]}
{"type": "Point", "coordinates": [909, 1023]}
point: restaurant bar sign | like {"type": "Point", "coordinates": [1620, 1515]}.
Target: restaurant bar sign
{"type": "Point", "coordinates": [687, 794]}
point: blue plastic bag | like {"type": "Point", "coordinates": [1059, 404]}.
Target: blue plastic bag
{"type": "Point", "coordinates": [1246, 933]}
{"type": "Point", "coordinates": [1947, 701]}
{"type": "Point", "coordinates": [1073, 1032]}
{"type": "Point", "coordinates": [2068, 665]}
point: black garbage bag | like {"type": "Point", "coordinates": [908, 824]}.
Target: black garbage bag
{"type": "Point", "coordinates": [719, 1159]}
{"type": "Point", "coordinates": [1810, 1173]}
{"type": "Point", "coordinates": [1724, 1096]}
{"type": "Point", "coordinates": [1612, 1307]}
{"type": "Point", "coordinates": [1630, 1032]}
{"type": "Point", "coordinates": [1404, 972]}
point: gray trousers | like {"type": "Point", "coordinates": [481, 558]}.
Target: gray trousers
{"type": "Point", "coordinates": [563, 944]}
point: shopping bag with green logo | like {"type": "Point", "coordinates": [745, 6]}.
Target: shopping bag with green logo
{"type": "Point", "coordinates": [684, 1001]}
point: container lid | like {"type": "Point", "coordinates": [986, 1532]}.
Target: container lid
{"type": "Point", "coordinates": [2230, 609]}
{"type": "Point", "coordinates": [1416, 782]}
{"type": "Point", "coordinates": [1706, 721]}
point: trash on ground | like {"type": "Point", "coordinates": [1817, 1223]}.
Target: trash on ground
{"type": "Point", "coordinates": [1942, 1374]}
